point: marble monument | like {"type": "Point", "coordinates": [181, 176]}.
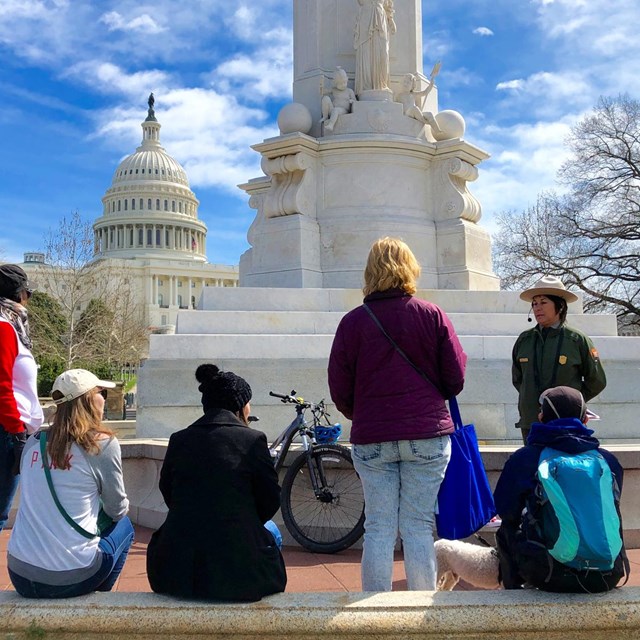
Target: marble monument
{"type": "Point", "coordinates": [376, 161]}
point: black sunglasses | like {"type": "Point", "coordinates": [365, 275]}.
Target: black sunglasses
{"type": "Point", "coordinates": [103, 393]}
{"type": "Point", "coordinates": [29, 292]}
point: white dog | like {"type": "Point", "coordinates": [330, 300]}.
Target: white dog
{"type": "Point", "coordinates": [470, 562]}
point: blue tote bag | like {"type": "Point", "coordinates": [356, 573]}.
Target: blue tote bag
{"type": "Point", "coordinates": [465, 500]}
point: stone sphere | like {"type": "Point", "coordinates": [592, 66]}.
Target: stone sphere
{"type": "Point", "coordinates": [451, 125]}
{"type": "Point", "coordinates": [294, 117]}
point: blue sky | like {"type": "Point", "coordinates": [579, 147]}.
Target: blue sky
{"type": "Point", "coordinates": [75, 76]}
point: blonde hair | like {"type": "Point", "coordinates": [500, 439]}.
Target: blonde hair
{"type": "Point", "coordinates": [79, 421]}
{"type": "Point", "coordinates": [390, 265]}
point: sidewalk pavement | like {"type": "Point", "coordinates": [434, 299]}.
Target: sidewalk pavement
{"type": "Point", "coordinates": [307, 572]}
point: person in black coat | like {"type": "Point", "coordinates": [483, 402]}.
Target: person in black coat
{"type": "Point", "coordinates": [220, 485]}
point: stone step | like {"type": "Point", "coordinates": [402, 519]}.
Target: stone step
{"type": "Point", "coordinates": [280, 339]}
{"type": "Point", "coordinates": [170, 399]}
{"type": "Point", "coordinates": [318, 346]}
{"type": "Point", "coordinates": [273, 299]}
{"type": "Point", "coordinates": [325, 322]}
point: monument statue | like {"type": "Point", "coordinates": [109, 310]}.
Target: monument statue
{"type": "Point", "coordinates": [338, 101]}
{"type": "Point", "coordinates": [151, 114]}
{"type": "Point", "coordinates": [374, 26]}
{"type": "Point", "coordinates": [408, 98]}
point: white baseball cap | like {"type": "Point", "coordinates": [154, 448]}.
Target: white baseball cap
{"type": "Point", "coordinates": [76, 382]}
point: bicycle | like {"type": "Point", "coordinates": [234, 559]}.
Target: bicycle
{"type": "Point", "coordinates": [322, 499]}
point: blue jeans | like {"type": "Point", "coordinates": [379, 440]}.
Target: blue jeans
{"type": "Point", "coordinates": [400, 481]}
{"type": "Point", "coordinates": [114, 544]}
{"type": "Point", "coordinates": [8, 482]}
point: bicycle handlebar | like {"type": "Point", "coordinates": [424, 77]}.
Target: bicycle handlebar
{"type": "Point", "coordinates": [293, 399]}
{"type": "Point", "coordinates": [277, 395]}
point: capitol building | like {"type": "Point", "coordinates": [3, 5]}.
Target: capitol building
{"type": "Point", "coordinates": [149, 227]}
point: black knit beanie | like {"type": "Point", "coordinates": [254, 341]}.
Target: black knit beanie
{"type": "Point", "coordinates": [222, 389]}
{"type": "Point", "coordinates": [562, 402]}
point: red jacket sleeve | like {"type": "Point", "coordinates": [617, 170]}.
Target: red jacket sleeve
{"type": "Point", "coordinates": [9, 414]}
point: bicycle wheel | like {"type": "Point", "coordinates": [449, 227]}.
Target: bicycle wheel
{"type": "Point", "coordinates": [333, 520]}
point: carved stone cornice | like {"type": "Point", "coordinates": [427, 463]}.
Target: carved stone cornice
{"type": "Point", "coordinates": [292, 186]}
{"type": "Point", "coordinates": [456, 200]}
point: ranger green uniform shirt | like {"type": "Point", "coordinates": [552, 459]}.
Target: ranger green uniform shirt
{"type": "Point", "coordinates": [545, 358]}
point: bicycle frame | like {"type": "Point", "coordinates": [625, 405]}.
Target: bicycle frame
{"type": "Point", "coordinates": [299, 427]}
{"type": "Point", "coordinates": [280, 446]}
{"type": "Point", "coordinates": [314, 486]}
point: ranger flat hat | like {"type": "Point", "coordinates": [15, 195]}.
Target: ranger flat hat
{"type": "Point", "coordinates": [548, 286]}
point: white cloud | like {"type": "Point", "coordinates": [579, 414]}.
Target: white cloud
{"type": "Point", "coordinates": [510, 85]}
{"type": "Point", "coordinates": [525, 160]}
{"type": "Point", "coordinates": [599, 27]}
{"type": "Point", "coordinates": [107, 78]}
{"type": "Point", "coordinates": [483, 31]}
{"type": "Point", "coordinates": [208, 133]}
{"type": "Point", "coordinates": [546, 95]}
{"type": "Point", "coordinates": [264, 73]}
{"type": "Point", "coordinates": [37, 30]}
{"type": "Point", "coordinates": [58, 33]}
{"type": "Point", "coordinates": [460, 77]}
{"type": "Point", "coordinates": [437, 45]}
{"type": "Point", "coordinates": [143, 23]}
{"type": "Point", "coordinates": [243, 23]}
{"type": "Point", "coordinates": [32, 9]}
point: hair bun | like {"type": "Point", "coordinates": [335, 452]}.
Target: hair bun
{"type": "Point", "coordinates": [206, 372]}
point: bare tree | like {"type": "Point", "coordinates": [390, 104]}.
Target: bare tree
{"type": "Point", "coordinates": [103, 317]}
{"type": "Point", "coordinates": [112, 327]}
{"type": "Point", "coordinates": [588, 237]}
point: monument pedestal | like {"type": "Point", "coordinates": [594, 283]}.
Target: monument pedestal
{"type": "Point", "coordinates": [324, 201]}
{"type": "Point", "coordinates": [463, 257]}
{"type": "Point", "coordinates": [280, 339]}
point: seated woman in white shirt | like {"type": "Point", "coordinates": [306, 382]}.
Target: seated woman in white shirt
{"type": "Point", "coordinates": [56, 549]}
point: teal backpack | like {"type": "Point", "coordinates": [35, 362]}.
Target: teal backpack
{"type": "Point", "coordinates": [578, 518]}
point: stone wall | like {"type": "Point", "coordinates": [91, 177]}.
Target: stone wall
{"type": "Point", "coordinates": [142, 461]}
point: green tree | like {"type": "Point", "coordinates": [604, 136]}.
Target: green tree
{"type": "Point", "coordinates": [588, 236]}
{"type": "Point", "coordinates": [48, 326]}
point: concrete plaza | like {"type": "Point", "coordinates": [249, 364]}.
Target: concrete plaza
{"type": "Point", "coordinates": [307, 572]}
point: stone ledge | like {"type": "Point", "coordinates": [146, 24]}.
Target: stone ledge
{"type": "Point", "coordinates": [493, 456]}
{"type": "Point", "coordinates": [479, 615]}
{"type": "Point", "coordinates": [142, 460]}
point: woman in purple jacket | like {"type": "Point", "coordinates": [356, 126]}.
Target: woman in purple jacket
{"type": "Point", "coordinates": [400, 423]}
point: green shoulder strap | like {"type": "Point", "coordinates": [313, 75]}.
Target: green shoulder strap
{"type": "Point", "coordinates": [61, 509]}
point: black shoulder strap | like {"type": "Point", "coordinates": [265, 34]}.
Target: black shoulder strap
{"type": "Point", "coordinates": [399, 350]}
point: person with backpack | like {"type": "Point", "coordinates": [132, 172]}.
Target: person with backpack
{"type": "Point", "coordinates": [559, 500]}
